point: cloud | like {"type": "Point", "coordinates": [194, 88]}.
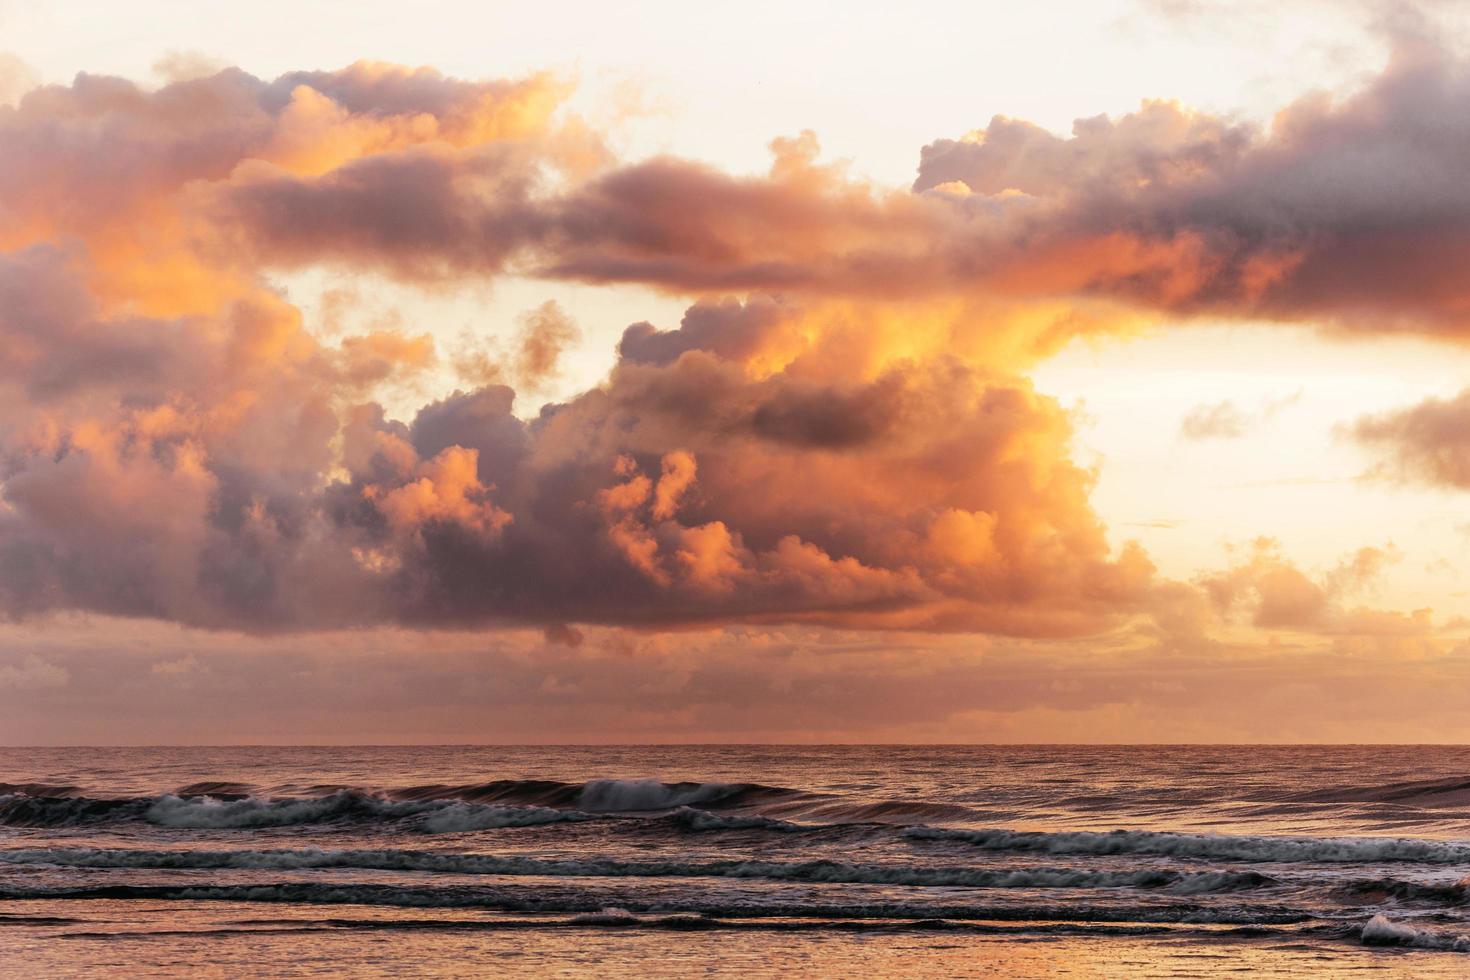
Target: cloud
{"type": "Point", "coordinates": [32, 673]}
{"type": "Point", "coordinates": [734, 684]}
{"type": "Point", "coordinates": [16, 78]}
{"type": "Point", "coordinates": [533, 361]}
{"type": "Point", "coordinates": [178, 444]}
{"type": "Point", "coordinates": [932, 495]}
{"type": "Point", "coordinates": [1218, 421]}
{"type": "Point", "coordinates": [853, 443]}
{"type": "Point", "coordinates": [1428, 442]}
{"type": "Point", "coordinates": [183, 66]}
{"type": "Point", "coordinates": [1277, 594]}
{"type": "Point", "coordinates": [1303, 221]}
{"type": "Point", "coordinates": [1166, 210]}
{"type": "Point", "coordinates": [1224, 420]}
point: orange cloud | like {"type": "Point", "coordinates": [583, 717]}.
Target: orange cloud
{"type": "Point", "coordinates": [534, 361]}
{"type": "Point", "coordinates": [1279, 595]}
{"type": "Point", "coordinates": [852, 444]}
{"type": "Point", "coordinates": [1162, 210]}
{"type": "Point", "coordinates": [1428, 442]}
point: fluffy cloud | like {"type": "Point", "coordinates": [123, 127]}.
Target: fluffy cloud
{"type": "Point", "coordinates": [1429, 442]}
{"type": "Point", "coordinates": [933, 495]}
{"type": "Point", "coordinates": [1274, 593]}
{"type": "Point", "coordinates": [1165, 209]}
{"type": "Point", "coordinates": [179, 444]}
{"type": "Point", "coordinates": [852, 443]}
{"type": "Point", "coordinates": [1309, 220]}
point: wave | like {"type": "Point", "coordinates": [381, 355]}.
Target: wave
{"type": "Point", "coordinates": [891, 812]}
{"type": "Point", "coordinates": [599, 795]}
{"type": "Point", "coordinates": [250, 813]}
{"type": "Point", "coordinates": [1454, 792]}
{"type": "Point", "coordinates": [576, 901]}
{"type": "Point", "coordinates": [618, 917]}
{"type": "Point", "coordinates": [1219, 847]}
{"type": "Point", "coordinates": [694, 819]}
{"type": "Point", "coordinates": [205, 812]}
{"type": "Point", "coordinates": [637, 795]}
{"type": "Point", "coordinates": [823, 872]}
{"type": "Point", "coordinates": [596, 795]}
{"type": "Point", "coordinates": [1375, 890]}
{"type": "Point", "coordinates": [459, 818]}
{"type": "Point", "coordinates": [23, 810]}
{"type": "Point", "coordinates": [39, 789]}
{"type": "Point", "coordinates": [1383, 931]}
{"type": "Point", "coordinates": [225, 805]}
{"type": "Point", "coordinates": [220, 789]}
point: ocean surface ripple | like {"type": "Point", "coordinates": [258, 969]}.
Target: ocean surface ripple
{"type": "Point", "coordinates": [1351, 850]}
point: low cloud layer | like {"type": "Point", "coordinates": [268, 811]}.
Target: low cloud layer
{"type": "Point", "coordinates": [157, 684]}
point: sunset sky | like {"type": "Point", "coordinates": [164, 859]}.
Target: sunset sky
{"type": "Point", "coordinates": [560, 372]}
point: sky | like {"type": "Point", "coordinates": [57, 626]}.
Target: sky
{"type": "Point", "coordinates": [790, 373]}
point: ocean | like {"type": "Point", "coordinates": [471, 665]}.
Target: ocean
{"type": "Point", "coordinates": [828, 861]}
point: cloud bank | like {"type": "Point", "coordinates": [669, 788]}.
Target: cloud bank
{"type": "Point", "coordinates": [839, 431]}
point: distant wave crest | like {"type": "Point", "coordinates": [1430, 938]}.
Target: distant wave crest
{"type": "Point", "coordinates": [1211, 846]}
{"type": "Point", "coordinates": [438, 809]}
{"type": "Point", "coordinates": [825, 871]}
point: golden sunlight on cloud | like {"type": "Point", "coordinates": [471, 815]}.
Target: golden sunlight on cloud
{"type": "Point", "coordinates": [841, 431]}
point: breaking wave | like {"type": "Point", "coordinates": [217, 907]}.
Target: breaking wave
{"type": "Point", "coordinates": [1383, 931]}
{"type": "Point", "coordinates": [248, 813]}
{"type": "Point", "coordinates": [503, 803]}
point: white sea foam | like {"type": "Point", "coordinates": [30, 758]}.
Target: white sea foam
{"type": "Point", "coordinates": [440, 816]}
{"type": "Point", "coordinates": [1383, 931]}
{"type": "Point", "coordinates": [505, 803]}
{"type": "Point", "coordinates": [202, 812]}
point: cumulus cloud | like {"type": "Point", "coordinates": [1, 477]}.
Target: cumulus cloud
{"type": "Point", "coordinates": [1303, 221]}
{"type": "Point", "coordinates": [1275, 593]}
{"type": "Point", "coordinates": [851, 443]}
{"type": "Point", "coordinates": [1166, 209]}
{"type": "Point", "coordinates": [178, 444]}
{"type": "Point", "coordinates": [1427, 442]}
